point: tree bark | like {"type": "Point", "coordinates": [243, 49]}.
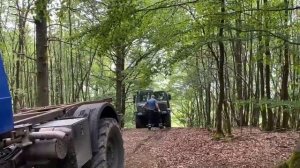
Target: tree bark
{"type": "Point", "coordinates": [20, 54]}
{"type": "Point", "coordinates": [246, 88]}
{"type": "Point", "coordinates": [227, 120]}
{"type": "Point", "coordinates": [239, 71]}
{"type": "Point", "coordinates": [221, 62]}
{"type": "Point", "coordinates": [120, 85]}
{"type": "Point", "coordinates": [73, 90]}
{"type": "Point", "coordinates": [261, 73]}
{"type": "Point", "coordinates": [208, 105]}
{"type": "Point", "coordinates": [270, 125]}
{"type": "Point", "coordinates": [256, 108]}
{"type": "Point", "coordinates": [42, 98]}
{"type": "Point", "coordinates": [285, 73]}
{"type": "Point", "coordinates": [22, 14]}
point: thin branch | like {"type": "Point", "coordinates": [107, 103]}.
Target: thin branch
{"type": "Point", "coordinates": [165, 6]}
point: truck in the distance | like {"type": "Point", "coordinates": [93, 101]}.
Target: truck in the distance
{"type": "Point", "coordinates": [141, 114]}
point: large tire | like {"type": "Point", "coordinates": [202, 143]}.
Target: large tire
{"type": "Point", "coordinates": [111, 150]}
{"type": "Point", "coordinates": [168, 121]}
{"type": "Point", "coordinates": [138, 122]}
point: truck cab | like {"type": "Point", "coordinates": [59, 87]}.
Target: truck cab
{"type": "Point", "coordinates": [163, 99]}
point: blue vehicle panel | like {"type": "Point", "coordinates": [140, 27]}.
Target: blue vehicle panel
{"type": "Point", "coordinates": [6, 112]}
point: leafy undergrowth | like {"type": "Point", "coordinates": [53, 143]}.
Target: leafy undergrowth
{"type": "Point", "coordinates": [195, 148]}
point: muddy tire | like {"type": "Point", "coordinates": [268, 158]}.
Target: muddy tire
{"type": "Point", "coordinates": [168, 121]}
{"type": "Point", "coordinates": [110, 145]}
{"type": "Point", "coordinates": [138, 122]}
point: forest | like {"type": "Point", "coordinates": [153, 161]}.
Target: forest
{"type": "Point", "coordinates": [226, 63]}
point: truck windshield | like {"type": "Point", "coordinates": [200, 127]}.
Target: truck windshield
{"type": "Point", "coordinates": [159, 96]}
{"type": "Point", "coordinates": [143, 96]}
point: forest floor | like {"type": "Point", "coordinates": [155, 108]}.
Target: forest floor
{"type": "Point", "coordinates": [195, 148]}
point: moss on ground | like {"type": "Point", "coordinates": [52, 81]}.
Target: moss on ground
{"type": "Point", "coordinates": [218, 136]}
{"type": "Point", "coordinates": [293, 162]}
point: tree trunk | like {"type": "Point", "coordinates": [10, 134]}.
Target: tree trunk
{"type": "Point", "coordinates": [253, 107]}
{"type": "Point", "coordinates": [18, 64]}
{"type": "Point", "coordinates": [120, 85]}
{"type": "Point", "coordinates": [208, 105]}
{"type": "Point", "coordinates": [246, 90]}
{"type": "Point", "coordinates": [256, 108]}
{"type": "Point", "coordinates": [221, 62]}
{"type": "Point", "coordinates": [51, 76]}
{"type": "Point", "coordinates": [226, 110]}
{"type": "Point", "coordinates": [270, 125]}
{"type": "Point", "coordinates": [22, 14]}
{"type": "Point", "coordinates": [261, 73]}
{"type": "Point", "coordinates": [285, 73]}
{"type": "Point", "coordinates": [42, 98]}
{"type": "Point", "coordinates": [71, 55]}
{"type": "Point", "coordinates": [239, 71]}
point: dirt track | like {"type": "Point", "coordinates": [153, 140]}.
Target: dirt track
{"type": "Point", "coordinates": [194, 148]}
